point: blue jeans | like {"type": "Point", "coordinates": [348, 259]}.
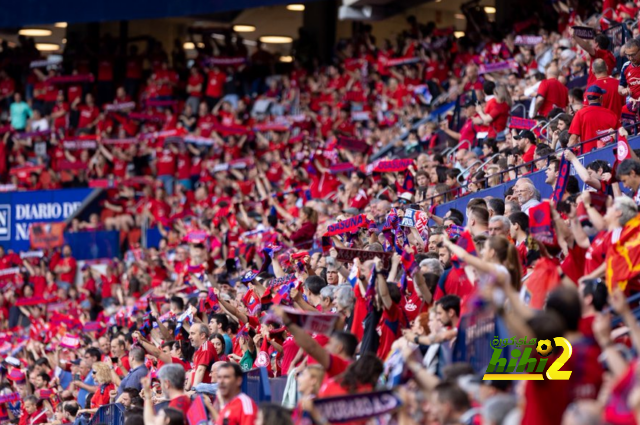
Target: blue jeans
{"type": "Point", "coordinates": [167, 182]}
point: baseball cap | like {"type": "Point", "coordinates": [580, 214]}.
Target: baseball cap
{"type": "Point", "coordinates": [594, 90]}
{"type": "Point", "coordinates": [526, 134]}
{"type": "Point", "coordinates": [406, 196]}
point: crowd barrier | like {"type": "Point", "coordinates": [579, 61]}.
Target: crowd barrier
{"type": "Point", "coordinates": [538, 178]}
{"type": "Point", "coordinates": [109, 414]}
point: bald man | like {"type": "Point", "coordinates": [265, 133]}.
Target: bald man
{"type": "Point", "coordinates": [551, 93]}
{"type": "Point", "coordinates": [611, 99]}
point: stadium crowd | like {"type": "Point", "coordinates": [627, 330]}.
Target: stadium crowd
{"type": "Point", "coordinates": [304, 200]}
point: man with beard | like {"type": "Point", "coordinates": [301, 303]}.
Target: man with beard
{"type": "Point", "coordinates": [172, 378]}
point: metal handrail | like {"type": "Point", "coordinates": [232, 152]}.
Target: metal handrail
{"type": "Point", "coordinates": [532, 163]}
{"type": "Point", "coordinates": [544, 127]}
{"type": "Point", "coordinates": [447, 152]}
{"type": "Point", "coordinates": [519, 105]}
{"type": "Point", "coordinates": [477, 161]}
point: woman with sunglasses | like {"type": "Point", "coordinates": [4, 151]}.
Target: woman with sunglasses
{"type": "Point", "coordinates": [102, 377]}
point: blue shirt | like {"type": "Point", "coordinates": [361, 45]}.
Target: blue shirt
{"type": "Point", "coordinates": [132, 380]}
{"type": "Point", "coordinates": [228, 344]}
{"type": "Point", "coordinates": [19, 112]}
{"type": "Point", "coordinates": [82, 393]}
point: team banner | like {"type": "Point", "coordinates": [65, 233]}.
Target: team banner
{"type": "Point", "coordinates": [126, 141]}
{"type": "Point", "coordinates": [229, 61]}
{"type": "Point", "coordinates": [112, 107]}
{"type": "Point", "coordinates": [398, 61]}
{"type": "Point", "coordinates": [349, 225]}
{"type": "Point", "coordinates": [79, 144]}
{"type": "Point", "coordinates": [313, 322]}
{"type": "Point", "coordinates": [347, 255]}
{"type": "Point", "coordinates": [47, 235]}
{"type": "Point", "coordinates": [528, 40]}
{"type": "Point", "coordinates": [353, 144]}
{"type": "Point", "coordinates": [522, 123]}
{"type": "Point", "coordinates": [70, 341]}
{"type": "Point", "coordinates": [495, 67]}
{"type": "Point", "coordinates": [288, 278]}
{"type": "Point", "coordinates": [561, 182]}
{"type": "Point", "coordinates": [9, 398]}
{"type": "Point", "coordinates": [72, 165]}
{"type": "Point", "coordinates": [360, 115]}
{"type": "Point", "coordinates": [356, 407]}
{"type": "Point", "coordinates": [345, 167]}
{"type": "Point", "coordinates": [160, 103]}
{"type": "Point", "coordinates": [624, 150]}
{"type": "Point", "coordinates": [235, 164]}
{"type": "Point", "coordinates": [70, 79]}
{"type": "Point", "coordinates": [409, 219]}
{"type": "Point", "coordinates": [586, 33]}
{"type": "Point", "coordinates": [540, 224]}
{"type": "Point", "coordinates": [139, 116]}
{"type": "Point", "coordinates": [32, 134]}
{"type": "Point", "coordinates": [389, 166]}
{"type": "Point", "coordinates": [9, 273]}
{"type": "Point", "coordinates": [27, 169]}
{"type": "Point", "coordinates": [197, 140]}
{"type": "Point", "coordinates": [52, 61]}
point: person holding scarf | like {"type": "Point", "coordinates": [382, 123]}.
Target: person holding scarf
{"type": "Point", "coordinates": [301, 235]}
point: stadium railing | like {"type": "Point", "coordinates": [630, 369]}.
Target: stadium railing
{"type": "Point", "coordinates": [109, 414]}
{"type": "Point", "coordinates": [538, 177]}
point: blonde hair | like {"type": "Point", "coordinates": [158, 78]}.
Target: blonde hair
{"type": "Point", "coordinates": [103, 373]}
{"type": "Point", "coordinates": [502, 94]}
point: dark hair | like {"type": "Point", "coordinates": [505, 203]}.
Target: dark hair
{"type": "Point", "coordinates": [45, 377]}
{"type": "Point", "coordinates": [546, 324]}
{"type": "Point", "coordinates": [497, 205]}
{"type": "Point", "coordinates": [222, 320]}
{"type": "Point", "coordinates": [348, 340]}
{"type": "Point", "coordinates": [315, 284]}
{"type": "Point", "coordinates": [598, 292]}
{"type": "Point", "coordinates": [452, 394]}
{"type": "Point", "coordinates": [366, 370]}
{"type": "Point", "coordinates": [221, 339]}
{"type": "Point", "coordinates": [275, 414]}
{"type": "Point", "coordinates": [566, 302]}
{"type": "Point", "coordinates": [43, 361]}
{"type": "Point", "coordinates": [507, 254]}
{"type": "Point", "coordinates": [132, 392]}
{"type": "Point", "coordinates": [175, 416]}
{"type": "Point", "coordinates": [457, 214]}
{"type": "Point", "coordinates": [178, 301]}
{"type": "Point", "coordinates": [481, 214]}
{"type": "Point", "coordinates": [450, 302]}
{"type": "Point", "coordinates": [602, 41]}
{"type": "Point", "coordinates": [521, 219]}
{"type": "Point", "coordinates": [136, 402]}
{"type": "Point", "coordinates": [488, 87]}
{"type": "Point", "coordinates": [237, 370]}
{"type": "Point", "coordinates": [627, 166]}
{"type": "Point", "coordinates": [71, 408]}
{"type": "Point", "coordinates": [394, 292]}
{"type": "Point", "coordinates": [134, 419]}
{"type": "Point", "coordinates": [94, 352]}
{"type": "Point", "coordinates": [577, 93]}
{"type": "Point", "coordinates": [455, 370]}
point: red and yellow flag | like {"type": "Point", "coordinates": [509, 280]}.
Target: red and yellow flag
{"type": "Point", "coordinates": [623, 257]}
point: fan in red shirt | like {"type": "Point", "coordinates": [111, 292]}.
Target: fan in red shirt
{"type": "Point", "coordinates": [66, 267]}
{"type": "Point", "coordinates": [215, 83]}
{"type": "Point", "coordinates": [551, 93]}
{"type": "Point", "coordinates": [611, 99]}
{"type": "Point", "coordinates": [33, 412]}
{"type": "Point", "coordinates": [361, 376]}
{"type": "Point", "coordinates": [592, 121]}
{"type": "Point", "coordinates": [172, 379]}
{"type": "Point", "coordinates": [89, 113]}
{"type": "Point", "coordinates": [205, 354]}
{"type": "Point", "coordinates": [597, 49]}
{"type": "Point", "coordinates": [236, 408]}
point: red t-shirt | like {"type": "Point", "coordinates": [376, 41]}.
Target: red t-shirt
{"type": "Point", "coordinates": [87, 115]}
{"type": "Point", "coordinates": [591, 121]}
{"type": "Point", "coordinates": [608, 59]}
{"type": "Point", "coordinates": [101, 396]}
{"type": "Point", "coordinates": [71, 274]}
{"type": "Point", "coordinates": [611, 99]}
{"type": "Point", "coordinates": [289, 351]}
{"type": "Point", "coordinates": [182, 403]}
{"type": "Point", "coordinates": [205, 355]}
{"type": "Point", "coordinates": [528, 155]}
{"type": "Point", "coordinates": [359, 313]}
{"type": "Point", "coordinates": [500, 114]}
{"type": "Point", "coordinates": [597, 251]}
{"type": "Point", "coordinates": [194, 80]}
{"type": "Point", "coordinates": [242, 410]}
{"type": "Point", "coordinates": [389, 327]}
{"type": "Point", "coordinates": [105, 70]}
{"type": "Point", "coordinates": [555, 94]}
{"type": "Point", "coordinates": [215, 83]}
{"type": "Point", "coordinates": [165, 163]}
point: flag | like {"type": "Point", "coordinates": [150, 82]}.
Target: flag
{"type": "Point", "coordinates": [354, 275]}
{"type": "Point", "coordinates": [371, 288]}
{"type": "Point", "coordinates": [312, 321]}
{"type": "Point", "coordinates": [197, 413]}
{"type": "Point", "coordinates": [561, 184]}
{"type": "Point", "coordinates": [70, 341]}
{"type": "Point", "coordinates": [409, 262]}
{"type": "Point", "coordinates": [540, 224]}
{"type": "Point", "coordinates": [624, 151]}
{"type": "Point", "coordinates": [349, 225]}
{"type": "Point", "coordinates": [623, 257]}
{"type": "Point", "coordinates": [326, 244]}
{"type": "Point", "coordinates": [465, 241]}
{"type": "Point", "coordinates": [543, 279]}
{"type": "Point", "coordinates": [283, 295]}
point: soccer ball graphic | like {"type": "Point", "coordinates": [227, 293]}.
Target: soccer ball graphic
{"type": "Point", "coordinates": [544, 347]}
